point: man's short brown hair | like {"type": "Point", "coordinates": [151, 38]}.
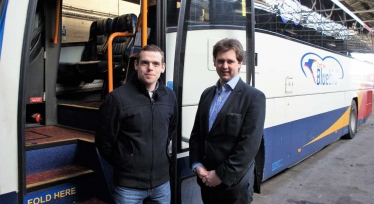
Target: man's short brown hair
{"type": "Point", "coordinates": [227, 44]}
{"type": "Point", "coordinates": [152, 48]}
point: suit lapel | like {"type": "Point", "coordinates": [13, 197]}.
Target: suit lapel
{"type": "Point", "coordinates": [206, 107]}
{"type": "Point", "coordinates": [235, 94]}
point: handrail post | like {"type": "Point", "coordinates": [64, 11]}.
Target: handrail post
{"type": "Point", "coordinates": [110, 56]}
{"type": "Point", "coordinates": [144, 22]}
{"type": "Point", "coordinates": [55, 38]}
{"type": "Point", "coordinates": [110, 62]}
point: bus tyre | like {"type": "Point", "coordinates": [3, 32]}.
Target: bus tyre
{"type": "Point", "coordinates": [352, 127]}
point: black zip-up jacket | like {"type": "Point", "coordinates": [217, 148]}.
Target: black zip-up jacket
{"type": "Point", "coordinates": [134, 132]}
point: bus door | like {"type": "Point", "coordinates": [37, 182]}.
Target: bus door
{"type": "Point", "coordinates": [189, 45]}
{"type": "Point", "coordinates": [63, 82]}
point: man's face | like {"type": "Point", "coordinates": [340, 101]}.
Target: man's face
{"type": "Point", "coordinates": [227, 66]}
{"type": "Point", "coordinates": [149, 68]}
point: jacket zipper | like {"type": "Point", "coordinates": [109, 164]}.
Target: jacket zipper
{"type": "Point", "coordinates": [152, 109]}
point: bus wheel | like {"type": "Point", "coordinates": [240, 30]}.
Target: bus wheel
{"type": "Point", "coordinates": [352, 122]}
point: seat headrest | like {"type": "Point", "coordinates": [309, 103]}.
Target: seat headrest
{"type": "Point", "coordinates": [124, 23]}
{"type": "Point", "coordinates": [104, 26]}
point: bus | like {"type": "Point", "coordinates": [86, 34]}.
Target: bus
{"type": "Point", "coordinates": [59, 59]}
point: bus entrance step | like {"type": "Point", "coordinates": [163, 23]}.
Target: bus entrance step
{"type": "Point", "coordinates": [84, 116]}
{"type": "Point", "coordinates": [54, 177]}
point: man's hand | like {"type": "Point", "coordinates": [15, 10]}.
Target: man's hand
{"type": "Point", "coordinates": [212, 180]}
{"type": "Point", "coordinates": [201, 172]}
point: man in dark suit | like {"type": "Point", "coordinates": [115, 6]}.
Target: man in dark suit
{"type": "Point", "coordinates": [227, 131]}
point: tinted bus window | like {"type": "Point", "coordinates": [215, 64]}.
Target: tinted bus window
{"type": "Point", "coordinates": [77, 16]}
{"type": "Point", "coordinates": [315, 23]}
{"type": "Point", "coordinates": [213, 12]}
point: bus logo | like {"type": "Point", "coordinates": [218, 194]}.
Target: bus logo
{"type": "Point", "coordinates": [326, 71]}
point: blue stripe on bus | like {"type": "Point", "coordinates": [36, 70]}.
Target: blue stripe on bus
{"type": "Point", "coordinates": [2, 22]}
{"type": "Point", "coordinates": [285, 144]}
{"type": "Point", "coordinates": [11, 197]}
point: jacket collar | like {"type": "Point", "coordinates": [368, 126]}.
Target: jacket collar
{"type": "Point", "coordinates": [159, 92]}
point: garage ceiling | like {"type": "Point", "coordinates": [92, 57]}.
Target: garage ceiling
{"type": "Point", "coordinates": [364, 9]}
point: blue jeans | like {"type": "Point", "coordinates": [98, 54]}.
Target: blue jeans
{"type": "Point", "coordinates": [159, 195]}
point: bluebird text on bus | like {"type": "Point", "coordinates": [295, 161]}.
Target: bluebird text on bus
{"type": "Point", "coordinates": [326, 76]}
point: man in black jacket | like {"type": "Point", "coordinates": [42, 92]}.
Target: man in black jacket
{"type": "Point", "coordinates": [227, 132]}
{"type": "Point", "coordinates": [137, 122]}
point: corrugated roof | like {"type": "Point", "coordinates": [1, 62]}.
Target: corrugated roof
{"type": "Point", "coordinates": [364, 9]}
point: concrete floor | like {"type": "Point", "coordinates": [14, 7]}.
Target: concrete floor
{"type": "Point", "coordinates": [341, 173]}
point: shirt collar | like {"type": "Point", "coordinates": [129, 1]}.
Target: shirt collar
{"type": "Point", "coordinates": [152, 92]}
{"type": "Point", "coordinates": [156, 87]}
{"type": "Point", "coordinates": [232, 83]}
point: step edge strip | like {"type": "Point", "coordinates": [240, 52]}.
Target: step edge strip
{"type": "Point", "coordinates": [59, 179]}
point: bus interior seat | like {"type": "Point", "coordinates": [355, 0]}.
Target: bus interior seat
{"type": "Point", "coordinates": [89, 70]}
{"type": "Point", "coordinates": [152, 22]}
{"type": "Point", "coordinates": [94, 52]}
{"type": "Point", "coordinates": [121, 46]}
{"type": "Point", "coordinates": [121, 49]}
{"type": "Point", "coordinates": [131, 51]}
{"type": "Point", "coordinates": [130, 71]}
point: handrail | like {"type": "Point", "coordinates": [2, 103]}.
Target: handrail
{"type": "Point", "coordinates": [144, 33]}
{"type": "Point", "coordinates": [55, 38]}
{"type": "Point", "coordinates": [110, 56]}
{"type": "Point", "coordinates": [144, 22]}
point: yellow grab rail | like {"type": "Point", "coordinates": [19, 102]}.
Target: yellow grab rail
{"type": "Point", "coordinates": [110, 56]}
{"type": "Point", "coordinates": [55, 38]}
{"type": "Point", "coordinates": [144, 22]}
{"type": "Point", "coordinates": [144, 33]}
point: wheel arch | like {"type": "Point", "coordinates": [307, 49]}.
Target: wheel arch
{"type": "Point", "coordinates": [356, 100]}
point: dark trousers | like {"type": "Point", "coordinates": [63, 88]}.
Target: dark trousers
{"type": "Point", "coordinates": [211, 195]}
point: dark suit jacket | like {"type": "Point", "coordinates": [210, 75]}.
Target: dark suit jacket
{"type": "Point", "coordinates": [230, 146]}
